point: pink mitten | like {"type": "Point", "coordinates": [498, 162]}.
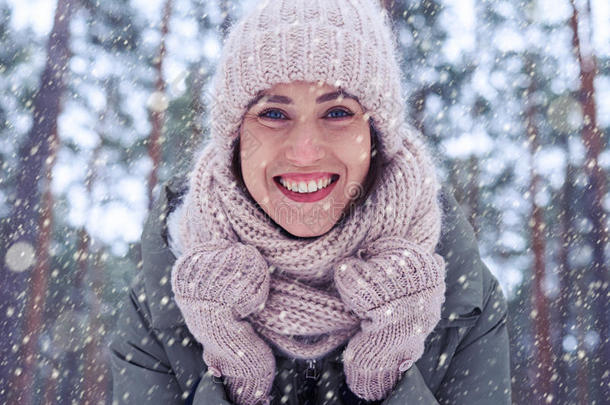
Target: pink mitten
{"type": "Point", "coordinates": [215, 286]}
{"type": "Point", "coordinates": [397, 289]}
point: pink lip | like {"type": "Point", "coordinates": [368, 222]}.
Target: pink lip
{"type": "Point", "coordinates": [309, 197]}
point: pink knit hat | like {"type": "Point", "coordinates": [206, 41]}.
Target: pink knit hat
{"type": "Point", "coordinates": [345, 43]}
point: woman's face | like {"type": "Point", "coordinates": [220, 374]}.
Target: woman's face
{"type": "Point", "coordinates": [305, 152]}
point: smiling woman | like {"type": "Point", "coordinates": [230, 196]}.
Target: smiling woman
{"type": "Point", "coordinates": [292, 189]}
{"type": "Point", "coordinates": [305, 261]}
{"type": "Point", "coordinates": [309, 134]}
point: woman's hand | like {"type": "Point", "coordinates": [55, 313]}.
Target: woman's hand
{"type": "Point", "coordinates": [397, 289]}
{"type": "Point", "coordinates": [215, 286]}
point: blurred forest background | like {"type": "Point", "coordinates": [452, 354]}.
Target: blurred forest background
{"type": "Point", "coordinates": [102, 101]}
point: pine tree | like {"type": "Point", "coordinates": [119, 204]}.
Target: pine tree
{"type": "Point", "coordinates": [593, 141]}
{"type": "Point", "coordinates": [158, 105]}
{"type": "Point", "coordinates": [22, 228]}
{"type": "Point", "coordinates": [541, 318]}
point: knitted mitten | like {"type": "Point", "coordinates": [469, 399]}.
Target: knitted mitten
{"type": "Point", "coordinates": [397, 289]}
{"type": "Point", "coordinates": [216, 286]}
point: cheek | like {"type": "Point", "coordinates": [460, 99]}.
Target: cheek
{"type": "Point", "coordinates": [248, 147]}
{"type": "Point", "coordinates": [359, 155]}
{"type": "Point", "coordinates": [256, 154]}
{"type": "Point", "coordinates": [364, 162]}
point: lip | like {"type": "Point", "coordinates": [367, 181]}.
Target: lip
{"type": "Point", "coordinates": [310, 197]}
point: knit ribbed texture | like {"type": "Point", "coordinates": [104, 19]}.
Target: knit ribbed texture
{"type": "Point", "coordinates": [397, 288]}
{"type": "Point", "coordinates": [373, 279]}
{"type": "Point", "coordinates": [345, 43]}
{"type": "Point", "coordinates": [214, 303]}
{"type": "Point", "coordinates": [401, 273]}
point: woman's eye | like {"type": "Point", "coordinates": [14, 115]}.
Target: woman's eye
{"type": "Point", "coordinates": [272, 114]}
{"type": "Point", "coordinates": [339, 113]}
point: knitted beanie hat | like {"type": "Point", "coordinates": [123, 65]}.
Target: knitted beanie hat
{"type": "Point", "coordinates": [345, 43]}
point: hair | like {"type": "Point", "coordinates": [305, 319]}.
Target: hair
{"type": "Point", "coordinates": [368, 186]}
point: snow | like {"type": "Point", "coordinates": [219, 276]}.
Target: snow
{"type": "Point", "coordinates": [77, 125]}
{"type": "Point", "coordinates": [35, 14]}
{"type": "Point", "coordinates": [602, 86]}
{"type": "Point", "coordinates": [600, 13]}
{"type": "Point", "coordinates": [464, 145]}
{"type": "Point", "coordinates": [19, 257]}
{"type": "Point", "coordinates": [115, 210]}
{"type": "Point", "coordinates": [459, 19]}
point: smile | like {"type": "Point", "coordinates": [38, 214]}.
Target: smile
{"type": "Point", "coordinates": [307, 191]}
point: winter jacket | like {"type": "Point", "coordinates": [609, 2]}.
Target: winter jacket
{"type": "Point", "coordinates": [156, 360]}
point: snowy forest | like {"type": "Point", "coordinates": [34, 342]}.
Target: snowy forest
{"type": "Point", "coordinates": [102, 101]}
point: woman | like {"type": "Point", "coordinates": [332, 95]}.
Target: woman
{"type": "Point", "coordinates": [301, 252]}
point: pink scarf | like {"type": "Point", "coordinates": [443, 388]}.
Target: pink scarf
{"type": "Point", "coordinates": [304, 316]}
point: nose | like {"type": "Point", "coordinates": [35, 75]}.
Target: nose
{"type": "Point", "coordinates": [304, 146]}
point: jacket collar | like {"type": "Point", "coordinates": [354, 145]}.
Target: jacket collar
{"type": "Point", "coordinates": [464, 268]}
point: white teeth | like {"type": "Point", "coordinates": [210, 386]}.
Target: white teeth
{"type": "Point", "coordinates": [312, 186]}
{"type": "Point", "coordinates": [305, 187]}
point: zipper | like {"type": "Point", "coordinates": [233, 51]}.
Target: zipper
{"type": "Point", "coordinates": [307, 382]}
{"type": "Point", "coordinates": [312, 370]}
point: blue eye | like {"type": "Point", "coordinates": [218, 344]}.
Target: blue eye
{"type": "Point", "coordinates": [273, 114]}
{"type": "Point", "coordinates": [338, 113]}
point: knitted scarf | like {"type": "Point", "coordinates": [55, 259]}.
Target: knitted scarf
{"type": "Point", "coordinates": [304, 316]}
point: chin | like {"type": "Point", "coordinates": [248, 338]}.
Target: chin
{"type": "Point", "coordinates": [307, 231]}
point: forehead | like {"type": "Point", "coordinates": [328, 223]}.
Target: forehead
{"type": "Point", "coordinates": [289, 93]}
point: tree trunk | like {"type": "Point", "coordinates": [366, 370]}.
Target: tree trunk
{"type": "Point", "coordinates": [593, 141]}
{"type": "Point", "coordinates": [418, 107]}
{"type": "Point", "coordinates": [464, 178]}
{"type": "Point", "coordinates": [225, 11]}
{"type": "Point", "coordinates": [23, 223]}
{"type": "Point", "coordinates": [473, 193]}
{"type": "Point", "coordinates": [36, 297]}
{"type": "Point", "coordinates": [544, 363]}
{"type": "Point", "coordinates": [570, 290]}
{"type": "Point", "coordinates": [50, 388]}
{"type": "Point", "coordinates": [95, 371]}
{"type": "Point", "coordinates": [158, 107]}
{"type": "Point", "coordinates": [197, 108]}
{"type": "Point", "coordinates": [391, 6]}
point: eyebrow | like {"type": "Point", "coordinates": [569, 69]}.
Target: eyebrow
{"type": "Point", "coordinates": [275, 98]}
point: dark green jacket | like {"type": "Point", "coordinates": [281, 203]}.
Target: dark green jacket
{"type": "Point", "coordinates": [156, 360]}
